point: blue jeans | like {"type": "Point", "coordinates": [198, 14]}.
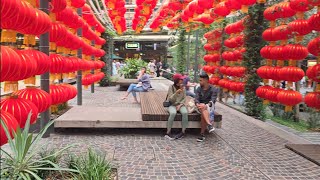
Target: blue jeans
{"type": "Point", "coordinates": [132, 88]}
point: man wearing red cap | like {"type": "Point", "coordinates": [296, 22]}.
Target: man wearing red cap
{"type": "Point", "coordinates": [177, 97]}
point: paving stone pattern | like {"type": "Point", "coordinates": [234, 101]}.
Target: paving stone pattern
{"type": "Point", "coordinates": [240, 150]}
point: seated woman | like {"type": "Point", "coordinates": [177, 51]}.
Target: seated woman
{"type": "Point", "coordinates": [177, 98]}
{"type": "Point", "coordinates": [142, 86]}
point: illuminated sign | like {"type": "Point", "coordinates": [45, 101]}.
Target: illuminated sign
{"type": "Point", "coordinates": [132, 45]}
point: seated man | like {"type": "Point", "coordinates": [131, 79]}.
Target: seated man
{"type": "Point", "coordinates": [204, 94]}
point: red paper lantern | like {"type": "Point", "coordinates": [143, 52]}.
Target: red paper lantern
{"type": "Point", "coordinates": [300, 26]}
{"type": "Point", "coordinates": [262, 90]}
{"type": "Point", "coordinates": [221, 9]}
{"type": "Point", "coordinates": [43, 61]}
{"type": "Point", "coordinates": [57, 63]}
{"type": "Point", "coordinates": [57, 5]}
{"type": "Point", "coordinates": [9, 8]}
{"type": "Point", "coordinates": [57, 94]}
{"type": "Point", "coordinates": [206, 4]}
{"type": "Point", "coordinates": [314, 2]}
{"type": "Point", "coordinates": [20, 109]}
{"type": "Point", "coordinates": [314, 22]}
{"type": "Point", "coordinates": [77, 3]}
{"type": "Point", "coordinates": [291, 74]}
{"type": "Point", "coordinates": [296, 51]}
{"type": "Point", "coordinates": [41, 24]}
{"type": "Point", "coordinates": [314, 46]}
{"type": "Point", "coordinates": [282, 32]}
{"type": "Point", "coordinates": [312, 100]}
{"type": "Point", "coordinates": [214, 80]}
{"type": "Point", "coordinates": [299, 5]}
{"type": "Point", "coordinates": [26, 15]}
{"type": "Point", "coordinates": [313, 72]}
{"type": "Point", "coordinates": [228, 56]}
{"type": "Point", "coordinates": [279, 53]}
{"type": "Point", "coordinates": [233, 4]}
{"type": "Point", "coordinates": [11, 123]}
{"type": "Point", "coordinates": [28, 66]}
{"type": "Point", "coordinates": [272, 93]}
{"type": "Point", "coordinates": [265, 52]}
{"type": "Point", "coordinates": [269, 35]}
{"type": "Point", "coordinates": [71, 89]}
{"type": "Point", "coordinates": [270, 14]}
{"type": "Point", "coordinates": [38, 97]}
{"type": "Point", "coordinates": [10, 63]}
{"type": "Point", "coordinates": [223, 69]}
{"type": "Point", "coordinates": [57, 32]}
{"type": "Point", "coordinates": [289, 98]}
{"type": "Point", "coordinates": [264, 72]}
{"type": "Point", "coordinates": [284, 10]}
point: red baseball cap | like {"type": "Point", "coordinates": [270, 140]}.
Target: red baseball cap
{"type": "Point", "coordinates": [178, 76]}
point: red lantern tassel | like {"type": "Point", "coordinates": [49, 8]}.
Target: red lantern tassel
{"type": "Point", "coordinates": [244, 9]}
{"type": "Point", "coordinates": [288, 109]}
{"type": "Point", "coordinates": [54, 108]}
{"type": "Point", "coordinates": [30, 80]}
{"type": "Point", "coordinates": [265, 102]}
{"type": "Point", "coordinates": [11, 86]}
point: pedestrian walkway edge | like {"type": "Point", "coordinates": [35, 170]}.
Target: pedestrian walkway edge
{"type": "Point", "coordinates": [292, 138]}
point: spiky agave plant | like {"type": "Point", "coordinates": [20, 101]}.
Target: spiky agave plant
{"type": "Point", "coordinates": [21, 161]}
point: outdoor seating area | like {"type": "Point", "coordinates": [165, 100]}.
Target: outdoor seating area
{"type": "Point", "coordinates": [150, 113]}
{"type": "Point", "coordinates": [152, 109]}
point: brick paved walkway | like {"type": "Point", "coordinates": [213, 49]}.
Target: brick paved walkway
{"type": "Point", "coordinates": [313, 137]}
{"type": "Point", "coordinates": [240, 150]}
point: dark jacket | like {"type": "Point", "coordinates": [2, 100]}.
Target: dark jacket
{"type": "Point", "coordinates": [206, 96]}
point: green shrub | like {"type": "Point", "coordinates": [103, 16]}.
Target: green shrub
{"type": "Point", "coordinates": [132, 67]}
{"type": "Point", "coordinates": [91, 166]}
{"type": "Point", "coordinates": [314, 119]}
{"type": "Point", "coordinates": [21, 161]}
{"type": "Point", "coordinates": [106, 81]}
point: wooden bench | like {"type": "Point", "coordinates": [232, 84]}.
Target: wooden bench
{"type": "Point", "coordinates": [152, 109]}
{"type": "Point", "coordinates": [125, 83]}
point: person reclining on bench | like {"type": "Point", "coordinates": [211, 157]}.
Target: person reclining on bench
{"type": "Point", "coordinates": [177, 98]}
{"type": "Point", "coordinates": [205, 93]}
{"type": "Point", "coordinates": [142, 86]}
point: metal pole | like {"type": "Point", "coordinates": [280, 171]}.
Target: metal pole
{"type": "Point", "coordinates": [79, 73]}
{"type": "Point", "coordinates": [92, 70]}
{"type": "Point", "coordinates": [44, 47]}
{"type": "Point", "coordinates": [188, 54]}
{"type": "Point", "coordinates": [111, 53]}
{"type": "Point", "coordinates": [196, 57]}
{"type": "Point", "coordinates": [109, 60]}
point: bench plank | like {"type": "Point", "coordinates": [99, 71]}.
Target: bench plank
{"type": "Point", "coordinates": [152, 108]}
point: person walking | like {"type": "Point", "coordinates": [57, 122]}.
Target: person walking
{"type": "Point", "coordinates": [177, 98]}
{"type": "Point", "coordinates": [159, 68]}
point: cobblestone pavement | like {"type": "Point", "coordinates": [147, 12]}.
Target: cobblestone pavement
{"type": "Point", "coordinates": [240, 150]}
{"type": "Point", "coordinates": [313, 137]}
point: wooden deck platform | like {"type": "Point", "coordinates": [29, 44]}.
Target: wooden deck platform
{"type": "Point", "coordinates": [99, 114]}
{"type": "Point", "coordinates": [109, 117]}
{"type": "Point", "coordinates": [308, 151]}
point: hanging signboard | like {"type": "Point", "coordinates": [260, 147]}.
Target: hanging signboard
{"type": "Point", "coordinates": [132, 45]}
